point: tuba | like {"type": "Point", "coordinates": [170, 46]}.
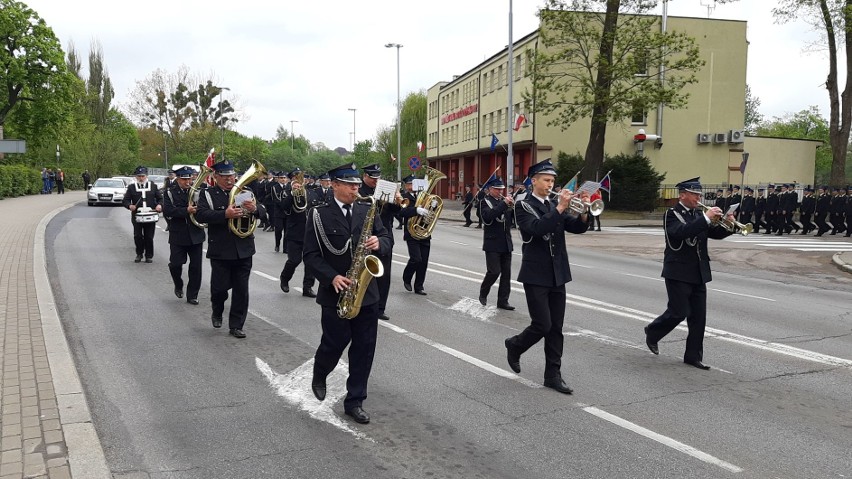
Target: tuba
{"type": "Point", "coordinates": [420, 227]}
{"type": "Point", "coordinates": [364, 268]}
{"type": "Point", "coordinates": [194, 192]}
{"type": "Point", "coordinates": [245, 225]}
{"type": "Point", "coordinates": [300, 194]}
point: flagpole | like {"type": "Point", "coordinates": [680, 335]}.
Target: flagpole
{"type": "Point", "coordinates": [510, 161]}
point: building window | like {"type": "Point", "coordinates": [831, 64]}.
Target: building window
{"type": "Point", "coordinates": [518, 67]}
{"type": "Point", "coordinates": [640, 63]}
{"type": "Point", "coordinates": [639, 116]}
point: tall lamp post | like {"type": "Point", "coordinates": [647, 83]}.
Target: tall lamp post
{"type": "Point", "coordinates": [222, 118]}
{"type": "Point", "coordinates": [292, 135]}
{"type": "Point", "coordinates": [398, 126]}
{"type": "Point", "coordinates": [57, 155]}
{"type": "Point", "coordinates": [353, 128]}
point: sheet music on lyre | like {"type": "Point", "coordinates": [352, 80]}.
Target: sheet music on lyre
{"type": "Point", "coordinates": [419, 185]}
{"type": "Point", "coordinates": [385, 190]}
{"type": "Point", "coordinates": [589, 187]}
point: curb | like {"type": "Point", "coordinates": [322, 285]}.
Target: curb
{"type": "Point", "coordinates": [85, 453]}
{"type": "Point", "coordinates": [843, 265]}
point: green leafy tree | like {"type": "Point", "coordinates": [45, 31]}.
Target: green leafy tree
{"type": "Point", "coordinates": [413, 121]}
{"type": "Point", "coordinates": [595, 63]}
{"type": "Point", "coordinates": [831, 18]}
{"type": "Point", "coordinates": [753, 117]}
{"type": "Point", "coordinates": [806, 124]}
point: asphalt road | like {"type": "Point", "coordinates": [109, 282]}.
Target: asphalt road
{"type": "Point", "coordinates": [172, 397]}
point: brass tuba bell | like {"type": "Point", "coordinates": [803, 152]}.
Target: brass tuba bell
{"type": "Point", "coordinates": [245, 225]}
{"type": "Point", "coordinates": [420, 227]}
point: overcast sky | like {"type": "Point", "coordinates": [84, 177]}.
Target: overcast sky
{"type": "Point", "coordinates": [312, 61]}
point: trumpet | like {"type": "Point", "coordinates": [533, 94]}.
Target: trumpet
{"type": "Point", "coordinates": [733, 226]}
{"type": "Point", "coordinates": [579, 207]}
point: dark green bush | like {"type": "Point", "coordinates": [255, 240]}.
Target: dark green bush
{"type": "Point", "coordinates": [634, 183]}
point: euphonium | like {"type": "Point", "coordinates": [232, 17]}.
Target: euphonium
{"type": "Point", "coordinates": [245, 225]}
{"type": "Point", "coordinates": [363, 269]}
{"type": "Point", "coordinates": [733, 226]}
{"type": "Point", "coordinates": [194, 192]}
{"type": "Point", "coordinates": [420, 227]}
{"type": "Point", "coordinates": [300, 194]}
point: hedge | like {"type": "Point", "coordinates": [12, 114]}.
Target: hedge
{"type": "Point", "coordinates": [20, 180]}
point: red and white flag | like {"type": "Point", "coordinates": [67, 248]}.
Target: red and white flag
{"type": "Point", "coordinates": [520, 119]}
{"type": "Point", "coordinates": [209, 163]}
{"type": "Point", "coordinates": [419, 146]}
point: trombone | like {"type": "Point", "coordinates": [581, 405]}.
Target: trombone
{"type": "Point", "coordinates": [733, 226]}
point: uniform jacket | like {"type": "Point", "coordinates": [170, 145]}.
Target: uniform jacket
{"type": "Point", "coordinates": [323, 262]}
{"type": "Point", "coordinates": [686, 258]}
{"type": "Point", "coordinates": [772, 202]}
{"type": "Point", "coordinates": [747, 206]}
{"type": "Point", "coordinates": [791, 201]}
{"type": "Point", "coordinates": [838, 204]}
{"type": "Point", "coordinates": [277, 193]}
{"type": "Point", "coordinates": [759, 207]}
{"type": "Point", "coordinates": [545, 257]}
{"type": "Point", "coordinates": [181, 230]}
{"type": "Point", "coordinates": [497, 220]}
{"type": "Point", "coordinates": [221, 243]}
{"type": "Point", "coordinates": [808, 205]}
{"type": "Point", "coordinates": [296, 219]}
{"type": "Point", "coordinates": [823, 205]}
{"type": "Point", "coordinates": [848, 208]}
{"type": "Point", "coordinates": [132, 196]}
{"type": "Point", "coordinates": [409, 213]}
{"type": "Point", "coordinates": [387, 210]}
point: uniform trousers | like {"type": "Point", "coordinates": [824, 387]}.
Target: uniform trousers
{"type": "Point", "coordinates": [294, 259]}
{"type": "Point", "coordinates": [177, 258]}
{"type": "Point", "coordinates": [143, 237]}
{"type": "Point", "coordinates": [822, 226]}
{"type": "Point", "coordinates": [230, 274]}
{"type": "Point", "coordinates": [384, 282]}
{"type": "Point", "coordinates": [686, 301]}
{"type": "Point", "coordinates": [837, 223]}
{"type": "Point", "coordinates": [497, 265]}
{"type": "Point", "coordinates": [790, 223]}
{"type": "Point", "coordinates": [418, 262]}
{"type": "Point", "coordinates": [546, 305]}
{"type": "Point", "coordinates": [337, 333]}
{"type": "Point", "coordinates": [807, 226]}
{"type": "Point", "coordinates": [466, 214]}
{"type": "Point", "coordinates": [278, 224]}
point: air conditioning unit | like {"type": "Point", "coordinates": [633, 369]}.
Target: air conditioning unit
{"type": "Point", "coordinates": [735, 136]}
{"type": "Point", "coordinates": [703, 138]}
{"type": "Point", "coordinates": [720, 138]}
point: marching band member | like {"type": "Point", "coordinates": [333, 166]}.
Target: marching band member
{"type": "Point", "coordinates": [388, 210]}
{"type": "Point", "coordinates": [230, 256]}
{"type": "Point", "coordinates": [296, 239]}
{"type": "Point", "coordinates": [544, 270]}
{"type": "Point", "coordinates": [418, 250]}
{"type": "Point", "coordinates": [686, 269]}
{"type": "Point", "coordinates": [332, 234]}
{"type": "Point", "coordinates": [277, 212]}
{"type": "Point", "coordinates": [185, 239]}
{"type": "Point", "coordinates": [497, 216]}
{"type": "Point", "coordinates": [143, 193]}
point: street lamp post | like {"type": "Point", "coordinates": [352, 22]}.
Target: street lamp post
{"type": "Point", "coordinates": [222, 118]}
{"type": "Point", "coordinates": [292, 134]}
{"type": "Point", "coordinates": [353, 128]}
{"type": "Point", "coordinates": [398, 126]}
{"type": "Point", "coordinates": [57, 155]}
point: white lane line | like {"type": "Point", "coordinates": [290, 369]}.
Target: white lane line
{"type": "Point", "coordinates": [456, 242]}
{"type": "Point", "coordinates": [642, 277]}
{"type": "Point", "coordinates": [664, 440]}
{"type": "Point", "coordinates": [460, 355]}
{"type": "Point", "coordinates": [604, 339]}
{"type": "Point", "coordinates": [295, 388]}
{"type": "Point", "coordinates": [742, 294]}
{"type": "Point", "coordinates": [264, 275]}
{"type": "Point", "coordinates": [473, 308]}
{"type": "Point", "coordinates": [825, 249]}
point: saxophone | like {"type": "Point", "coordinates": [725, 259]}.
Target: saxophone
{"type": "Point", "coordinates": [364, 268]}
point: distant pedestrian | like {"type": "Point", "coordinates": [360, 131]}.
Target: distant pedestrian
{"type": "Point", "coordinates": [87, 180]}
{"type": "Point", "coordinates": [45, 181]}
{"type": "Point", "coordinates": [51, 180]}
{"type": "Point", "coordinates": [60, 181]}
{"type": "Point", "coordinates": [467, 205]}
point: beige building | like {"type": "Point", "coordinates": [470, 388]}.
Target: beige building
{"type": "Point", "coordinates": [704, 139]}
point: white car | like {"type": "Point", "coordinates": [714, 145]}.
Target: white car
{"type": "Point", "coordinates": [106, 191]}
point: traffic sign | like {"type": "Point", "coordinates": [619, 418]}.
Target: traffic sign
{"type": "Point", "coordinates": [414, 163]}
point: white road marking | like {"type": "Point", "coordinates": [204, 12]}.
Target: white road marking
{"type": "Point", "coordinates": [664, 440]}
{"type": "Point", "coordinates": [295, 388]}
{"type": "Point", "coordinates": [473, 308]}
{"type": "Point", "coordinates": [456, 242]}
{"type": "Point", "coordinates": [604, 339]}
{"type": "Point", "coordinates": [642, 277]}
{"type": "Point", "coordinates": [836, 249]}
{"type": "Point", "coordinates": [742, 294]}
{"type": "Point", "coordinates": [264, 275]}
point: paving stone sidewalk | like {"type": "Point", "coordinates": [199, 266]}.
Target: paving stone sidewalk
{"type": "Point", "coordinates": [45, 427]}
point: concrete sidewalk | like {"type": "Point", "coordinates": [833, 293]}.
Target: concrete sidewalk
{"type": "Point", "coordinates": [46, 428]}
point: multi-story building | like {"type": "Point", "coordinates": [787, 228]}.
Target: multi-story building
{"type": "Point", "coordinates": [703, 139]}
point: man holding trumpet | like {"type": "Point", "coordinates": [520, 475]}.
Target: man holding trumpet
{"type": "Point", "coordinates": [497, 216]}
{"type": "Point", "coordinates": [686, 269]}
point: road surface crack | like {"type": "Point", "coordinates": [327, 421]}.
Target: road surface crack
{"type": "Point", "coordinates": [205, 408]}
{"type": "Point", "coordinates": [476, 400]}
{"type": "Point", "coordinates": [811, 339]}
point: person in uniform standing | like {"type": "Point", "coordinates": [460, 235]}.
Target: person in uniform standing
{"type": "Point", "coordinates": [185, 239]}
{"type": "Point", "coordinates": [230, 255]}
{"type": "Point", "coordinates": [686, 269]}
{"type": "Point", "coordinates": [387, 211]}
{"type": "Point", "coordinates": [296, 237]}
{"type": "Point", "coordinates": [736, 199]}
{"type": "Point", "coordinates": [332, 235]}
{"type": "Point", "coordinates": [418, 249]}
{"type": "Point", "coordinates": [823, 207]}
{"type": "Point", "coordinates": [467, 205]}
{"type": "Point", "coordinates": [276, 211]}
{"type": "Point", "coordinates": [497, 216]}
{"type": "Point", "coordinates": [143, 193]}
{"type": "Point", "coordinates": [807, 210]}
{"type": "Point", "coordinates": [543, 222]}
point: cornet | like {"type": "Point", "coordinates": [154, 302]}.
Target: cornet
{"type": "Point", "coordinates": [579, 207]}
{"type": "Point", "coordinates": [733, 226]}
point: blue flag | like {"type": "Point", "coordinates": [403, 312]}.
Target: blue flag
{"type": "Point", "coordinates": [528, 183]}
{"type": "Point", "coordinates": [490, 179]}
{"type": "Point", "coordinates": [494, 142]}
{"type": "Point", "coordinates": [572, 185]}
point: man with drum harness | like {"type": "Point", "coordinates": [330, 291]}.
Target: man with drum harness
{"type": "Point", "coordinates": [230, 255]}
{"type": "Point", "coordinates": [333, 234]}
{"type": "Point", "coordinates": [543, 221]}
{"type": "Point", "coordinates": [185, 238]}
{"type": "Point", "coordinates": [144, 200]}
{"type": "Point", "coordinates": [686, 269]}
{"type": "Point", "coordinates": [497, 216]}
{"type": "Point", "coordinates": [296, 207]}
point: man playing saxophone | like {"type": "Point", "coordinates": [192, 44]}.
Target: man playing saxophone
{"type": "Point", "coordinates": [332, 235]}
{"type": "Point", "coordinates": [185, 238]}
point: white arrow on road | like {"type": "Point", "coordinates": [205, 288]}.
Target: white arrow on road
{"type": "Point", "coordinates": [295, 388]}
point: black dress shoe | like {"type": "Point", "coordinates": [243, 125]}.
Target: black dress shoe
{"type": "Point", "coordinates": [697, 364]}
{"type": "Point", "coordinates": [359, 415]}
{"type": "Point", "coordinates": [138, 258]}
{"type": "Point", "coordinates": [513, 357]}
{"type": "Point", "coordinates": [179, 292]}
{"type": "Point", "coordinates": [420, 292]}
{"type": "Point", "coordinates": [384, 317]}
{"type": "Point", "coordinates": [217, 321]}
{"type": "Point", "coordinates": [192, 301]}
{"type": "Point", "coordinates": [506, 306]}
{"type": "Point", "coordinates": [276, 249]}
{"type": "Point", "coordinates": [308, 292]}
{"type": "Point", "coordinates": [407, 286]}
{"type": "Point", "coordinates": [652, 346]}
{"type": "Point", "coordinates": [237, 333]}
{"type": "Point", "coordinates": [285, 287]}
{"type": "Point", "coordinates": [479, 226]}
{"type": "Point", "coordinates": [149, 260]}
{"type": "Point", "coordinates": [318, 387]}
{"type": "Point", "coordinates": [483, 300]}
{"type": "Point", "coordinates": [558, 384]}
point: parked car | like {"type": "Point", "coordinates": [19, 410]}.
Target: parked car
{"type": "Point", "coordinates": [158, 180]}
{"type": "Point", "coordinates": [126, 179]}
{"type": "Point", "coordinates": [106, 191]}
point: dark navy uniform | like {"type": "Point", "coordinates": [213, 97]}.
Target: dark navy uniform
{"type": "Point", "coordinates": [823, 207]}
{"type": "Point", "coordinates": [848, 212]}
{"type": "Point", "coordinates": [467, 205]}
{"type": "Point", "coordinates": [759, 209]}
{"type": "Point", "coordinates": [330, 241]}
{"type": "Point", "coordinates": [185, 239]}
{"type": "Point", "coordinates": [686, 269]}
{"type": "Point", "coordinates": [747, 208]}
{"type": "Point", "coordinates": [806, 210]}
{"type": "Point", "coordinates": [296, 238]}
{"type": "Point", "coordinates": [791, 204]}
{"type": "Point", "coordinates": [771, 211]}
{"type": "Point", "coordinates": [838, 208]}
{"type": "Point", "coordinates": [277, 213]}
{"type": "Point", "coordinates": [143, 194]}
{"type": "Point", "coordinates": [497, 218]}
{"type": "Point", "coordinates": [230, 256]}
{"type": "Point", "coordinates": [418, 249]}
